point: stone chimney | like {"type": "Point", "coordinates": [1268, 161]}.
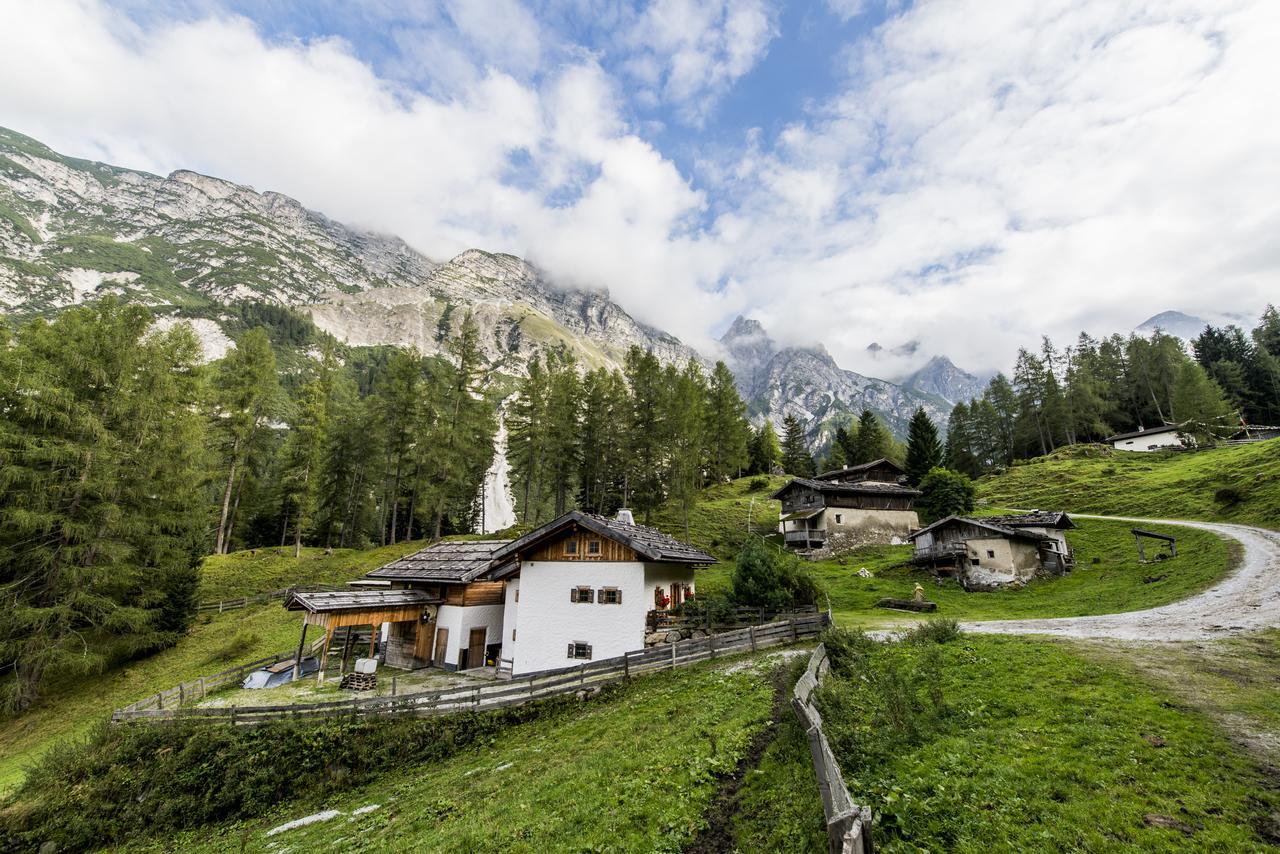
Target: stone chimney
{"type": "Point", "coordinates": [624, 516]}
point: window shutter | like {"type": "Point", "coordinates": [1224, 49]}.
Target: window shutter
{"type": "Point", "coordinates": [617, 596]}
{"type": "Point", "coordinates": [588, 652]}
{"type": "Point", "coordinates": [591, 595]}
{"type": "Point", "coordinates": [571, 650]}
{"type": "Point", "coordinates": [573, 594]}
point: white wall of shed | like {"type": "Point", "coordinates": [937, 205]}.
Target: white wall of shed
{"type": "Point", "coordinates": [461, 619]}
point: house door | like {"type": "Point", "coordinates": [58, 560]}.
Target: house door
{"type": "Point", "coordinates": [675, 595]}
{"type": "Point", "coordinates": [475, 648]}
{"type": "Point", "coordinates": [422, 643]}
{"type": "Point", "coordinates": [442, 647]}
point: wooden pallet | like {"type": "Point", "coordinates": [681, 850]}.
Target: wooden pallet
{"type": "Point", "coordinates": [359, 681]}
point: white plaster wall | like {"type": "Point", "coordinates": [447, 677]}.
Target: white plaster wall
{"type": "Point", "coordinates": [547, 622]}
{"type": "Point", "coordinates": [460, 620]}
{"type": "Point", "coordinates": [510, 609]}
{"type": "Point", "coordinates": [1150, 442]}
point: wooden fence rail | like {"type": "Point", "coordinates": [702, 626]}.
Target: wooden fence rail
{"type": "Point", "coordinates": [589, 676]}
{"type": "Point", "coordinates": [848, 825]}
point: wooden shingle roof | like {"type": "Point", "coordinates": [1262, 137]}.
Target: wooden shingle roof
{"type": "Point", "coordinates": [1034, 519]}
{"type": "Point", "coordinates": [649, 543]}
{"type": "Point", "coordinates": [862, 487]}
{"type": "Point", "coordinates": [354, 600]}
{"type": "Point", "coordinates": [446, 562]}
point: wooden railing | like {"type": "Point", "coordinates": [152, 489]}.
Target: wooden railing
{"type": "Point", "coordinates": [720, 619]}
{"type": "Point", "coordinates": [812, 535]}
{"type": "Point", "coordinates": [496, 694]}
{"type": "Point", "coordinates": [848, 825]}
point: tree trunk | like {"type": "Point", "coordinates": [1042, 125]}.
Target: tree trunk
{"type": "Point", "coordinates": [220, 544]}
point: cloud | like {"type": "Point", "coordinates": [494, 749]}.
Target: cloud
{"type": "Point", "coordinates": [991, 174]}
{"type": "Point", "coordinates": [690, 52]}
{"type": "Point", "coordinates": [593, 203]}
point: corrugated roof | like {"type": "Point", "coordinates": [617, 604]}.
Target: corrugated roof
{"type": "Point", "coordinates": [354, 600]}
{"type": "Point", "coordinates": [650, 543]}
{"type": "Point", "coordinates": [447, 562]}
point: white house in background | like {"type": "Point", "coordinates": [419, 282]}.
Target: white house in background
{"type": "Point", "coordinates": [581, 588]}
{"type": "Point", "coordinates": [1155, 439]}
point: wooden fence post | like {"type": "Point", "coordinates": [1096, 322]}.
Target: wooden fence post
{"type": "Point", "coordinates": [626, 665]}
{"type": "Point", "coordinates": [794, 636]}
{"type": "Point", "coordinates": [673, 654]}
{"type": "Point", "coordinates": [751, 634]}
{"type": "Point", "coordinates": [711, 639]}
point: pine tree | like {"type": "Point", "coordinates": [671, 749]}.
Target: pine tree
{"type": "Point", "coordinates": [871, 442]}
{"type": "Point", "coordinates": [924, 451]}
{"type": "Point", "coordinates": [766, 452]}
{"type": "Point", "coordinates": [796, 459]}
{"type": "Point", "coordinates": [303, 452]}
{"type": "Point", "coordinates": [688, 440]}
{"type": "Point", "coordinates": [648, 431]}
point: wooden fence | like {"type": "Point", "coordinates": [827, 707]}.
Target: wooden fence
{"type": "Point", "coordinates": [848, 825]}
{"type": "Point", "coordinates": [197, 689]}
{"type": "Point", "coordinates": [720, 619]}
{"type": "Point", "coordinates": [243, 601]}
{"type": "Point", "coordinates": [488, 695]}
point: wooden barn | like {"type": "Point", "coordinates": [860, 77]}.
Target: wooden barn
{"type": "Point", "coordinates": [987, 552]}
{"type": "Point", "coordinates": [860, 505]}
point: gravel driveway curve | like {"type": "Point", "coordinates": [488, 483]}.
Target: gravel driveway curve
{"type": "Point", "coordinates": [1247, 599]}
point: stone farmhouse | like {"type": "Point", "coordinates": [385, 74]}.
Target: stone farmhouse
{"type": "Point", "coordinates": [992, 551]}
{"type": "Point", "coordinates": [580, 587]}
{"type": "Point", "coordinates": [860, 505]}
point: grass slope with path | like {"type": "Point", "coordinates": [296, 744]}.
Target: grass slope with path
{"type": "Point", "coordinates": [633, 770]}
{"type": "Point", "coordinates": [1011, 744]}
{"type": "Point", "coordinates": [1240, 483]}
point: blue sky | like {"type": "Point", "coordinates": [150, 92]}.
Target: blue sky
{"type": "Point", "coordinates": [847, 171]}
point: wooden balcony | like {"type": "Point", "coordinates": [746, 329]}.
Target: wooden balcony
{"type": "Point", "coordinates": [811, 538]}
{"type": "Point", "coordinates": [943, 553]}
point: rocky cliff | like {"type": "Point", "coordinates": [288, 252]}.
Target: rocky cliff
{"type": "Point", "coordinates": [72, 230]}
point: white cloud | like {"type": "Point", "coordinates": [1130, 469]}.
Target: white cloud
{"type": "Point", "coordinates": [311, 120]}
{"type": "Point", "coordinates": [692, 51]}
{"type": "Point", "coordinates": [992, 173]}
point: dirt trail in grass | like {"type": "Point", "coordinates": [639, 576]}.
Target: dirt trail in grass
{"type": "Point", "coordinates": [1247, 599]}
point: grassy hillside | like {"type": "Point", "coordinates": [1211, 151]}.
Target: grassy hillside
{"type": "Point", "coordinates": [71, 708]}
{"type": "Point", "coordinates": [245, 573]}
{"type": "Point", "coordinates": [1117, 582]}
{"type": "Point", "coordinates": [1009, 744]}
{"type": "Point", "coordinates": [719, 522]}
{"type": "Point", "coordinates": [632, 771]}
{"type": "Point", "coordinates": [1231, 484]}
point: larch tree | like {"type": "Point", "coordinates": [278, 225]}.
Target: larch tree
{"type": "Point", "coordinates": [796, 459]}
{"type": "Point", "coordinates": [247, 397]}
{"type": "Point", "coordinates": [101, 479]}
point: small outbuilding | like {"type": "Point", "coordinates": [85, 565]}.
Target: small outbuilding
{"type": "Point", "coordinates": [1160, 438]}
{"type": "Point", "coordinates": [984, 553]}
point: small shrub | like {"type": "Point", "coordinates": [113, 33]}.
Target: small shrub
{"type": "Point", "coordinates": [945, 493]}
{"type": "Point", "coordinates": [1109, 470]}
{"type": "Point", "coordinates": [766, 577]}
{"type": "Point", "coordinates": [939, 630]}
{"type": "Point", "coordinates": [1229, 495]}
{"type": "Point", "coordinates": [757, 484]}
{"type": "Point", "coordinates": [847, 649]}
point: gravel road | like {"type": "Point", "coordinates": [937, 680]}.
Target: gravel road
{"type": "Point", "coordinates": [1245, 600]}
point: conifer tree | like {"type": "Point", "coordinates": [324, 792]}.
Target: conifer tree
{"type": "Point", "coordinates": [247, 397]}
{"type": "Point", "coordinates": [727, 430]}
{"type": "Point", "coordinates": [871, 442]}
{"type": "Point", "coordinates": [101, 517]}
{"type": "Point", "coordinates": [688, 440]}
{"type": "Point", "coordinates": [924, 451]}
{"type": "Point", "coordinates": [303, 451]}
{"type": "Point", "coordinates": [796, 459]}
{"type": "Point", "coordinates": [766, 452]}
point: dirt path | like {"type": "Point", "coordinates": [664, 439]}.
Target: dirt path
{"type": "Point", "coordinates": [1247, 599]}
{"type": "Point", "coordinates": [718, 837]}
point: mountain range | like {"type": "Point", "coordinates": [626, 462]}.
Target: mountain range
{"type": "Point", "coordinates": [193, 245]}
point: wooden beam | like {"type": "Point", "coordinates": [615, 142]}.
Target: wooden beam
{"type": "Point", "coordinates": [297, 659]}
